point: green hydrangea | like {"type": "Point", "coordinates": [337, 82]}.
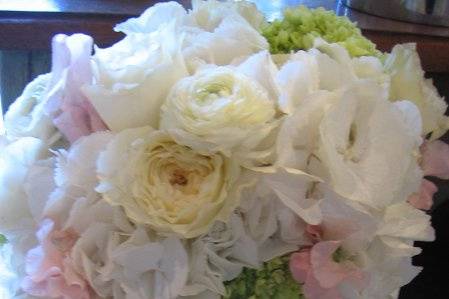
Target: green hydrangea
{"type": "Point", "coordinates": [301, 25]}
{"type": "Point", "coordinates": [272, 281]}
{"type": "Point", "coordinates": [3, 240]}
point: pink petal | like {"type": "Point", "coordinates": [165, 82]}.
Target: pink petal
{"type": "Point", "coordinates": [313, 290]}
{"type": "Point", "coordinates": [424, 199]}
{"type": "Point", "coordinates": [300, 265]}
{"type": "Point", "coordinates": [314, 232]}
{"type": "Point", "coordinates": [435, 159]}
{"type": "Point", "coordinates": [71, 111]}
{"type": "Point", "coordinates": [328, 272]}
{"type": "Point", "coordinates": [49, 269]}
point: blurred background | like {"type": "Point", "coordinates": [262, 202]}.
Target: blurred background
{"type": "Point", "coordinates": [27, 26]}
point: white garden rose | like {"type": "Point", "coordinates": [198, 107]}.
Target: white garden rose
{"type": "Point", "coordinates": [219, 109]}
{"type": "Point", "coordinates": [26, 117]}
{"type": "Point", "coordinates": [166, 185]}
{"type": "Point", "coordinates": [133, 77]}
{"type": "Point", "coordinates": [408, 83]}
{"type": "Point", "coordinates": [212, 32]}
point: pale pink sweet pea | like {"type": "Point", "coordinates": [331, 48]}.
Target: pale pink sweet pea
{"type": "Point", "coordinates": [435, 162]}
{"type": "Point", "coordinates": [72, 113]}
{"type": "Point", "coordinates": [50, 273]}
{"type": "Point", "coordinates": [423, 200]}
{"type": "Point", "coordinates": [320, 275]}
{"type": "Point", "coordinates": [435, 159]}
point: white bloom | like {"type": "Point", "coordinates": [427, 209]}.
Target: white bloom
{"type": "Point", "coordinates": [167, 185]}
{"type": "Point", "coordinates": [219, 109]}
{"type": "Point", "coordinates": [16, 209]}
{"type": "Point", "coordinates": [261, 229]}
{"type": "Point", "coordinates": [26, 118]}
{"type": "Point", "coordinates": [368, 148]}
{"type": "Point", "coordinates": [209, 14]}
{"type": "Point", "coordinates": [133, 77]}
{"type": "Point", "coordinates": [299, 135]}
{"type": "Point", "coordinates": [326, 67]}
{"type": "Point", "coordinates": [220, 256]}
{"type": "Point", "coordinates": [408, 83]}
{"type": "Point", "coordinates": [212, 32]}
{"type": "Point", "coordinates": [15, 160]}
{"type": "Point", "coordinates": [160, 14]}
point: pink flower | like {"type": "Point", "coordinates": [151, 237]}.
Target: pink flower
{"type": "Point", "coordinates": [72, 113]}
{"type": "Point", "coordinates": [321, 275]}
{"type": "Point", "coordinates": [435, 162]}
{"type": "Point", "coordinates": [424, 199]}
{"type": "Point", "coordinates": [49, 269]}
{"type": "Point", "coordinates": [435, 159]}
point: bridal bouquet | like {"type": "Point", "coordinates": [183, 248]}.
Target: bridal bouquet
{"type": "Point", "coordinates": [211, 154]}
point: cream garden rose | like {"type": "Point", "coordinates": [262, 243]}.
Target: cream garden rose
{"type": "Point", "coordinates": [219, 109]}
{"type": "Point", "coordinates": [166, 185]}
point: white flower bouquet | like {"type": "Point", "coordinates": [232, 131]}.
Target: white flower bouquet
{"type": "Point", "coordinates": [211, 154]}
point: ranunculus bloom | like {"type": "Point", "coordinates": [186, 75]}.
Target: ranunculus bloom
{"type": "Point", "coordinates": [49, 267]}
{"type": "Point", "coordinates": [72, 113]}
{"type": "Point", "coordinates": [219, 109]}
{"type": "Point", "coordinates": [167, 185]}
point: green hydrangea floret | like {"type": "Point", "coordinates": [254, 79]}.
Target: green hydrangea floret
{"type": "Point", "coordinates": [3, 240]}
{"type": "Point", "coordinates": [272, 281]}
{"type": "Point", "coordinates": [301, 25]}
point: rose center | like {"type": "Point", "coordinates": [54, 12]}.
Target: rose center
{"type": "Point", "coordinates": [178, 177]}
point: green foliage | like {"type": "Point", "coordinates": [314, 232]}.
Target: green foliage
{"type": "Point", "coordinates": [272, 281]}
{"type": "Point", "coordinates": [302, 25]}
{"type": "Point", "coordinates": [3, 240]}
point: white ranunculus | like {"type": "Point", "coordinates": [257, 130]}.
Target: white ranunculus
{"type": "Point", "coordinates": [368, 148]}
{"type": "Point", "coordinates": [166, 185]}
{"type": "Point", "coordinates": [408, 83]}
{"type": "Point", "coordinates": [26, 118]}
{"type": "Point", "coordinates": [219, 109]}
{"type": "Point", "coordinates": [133, 77]}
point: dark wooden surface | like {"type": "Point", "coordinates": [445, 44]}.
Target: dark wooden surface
{"type": "Point", "coordinates": [104, 7]}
